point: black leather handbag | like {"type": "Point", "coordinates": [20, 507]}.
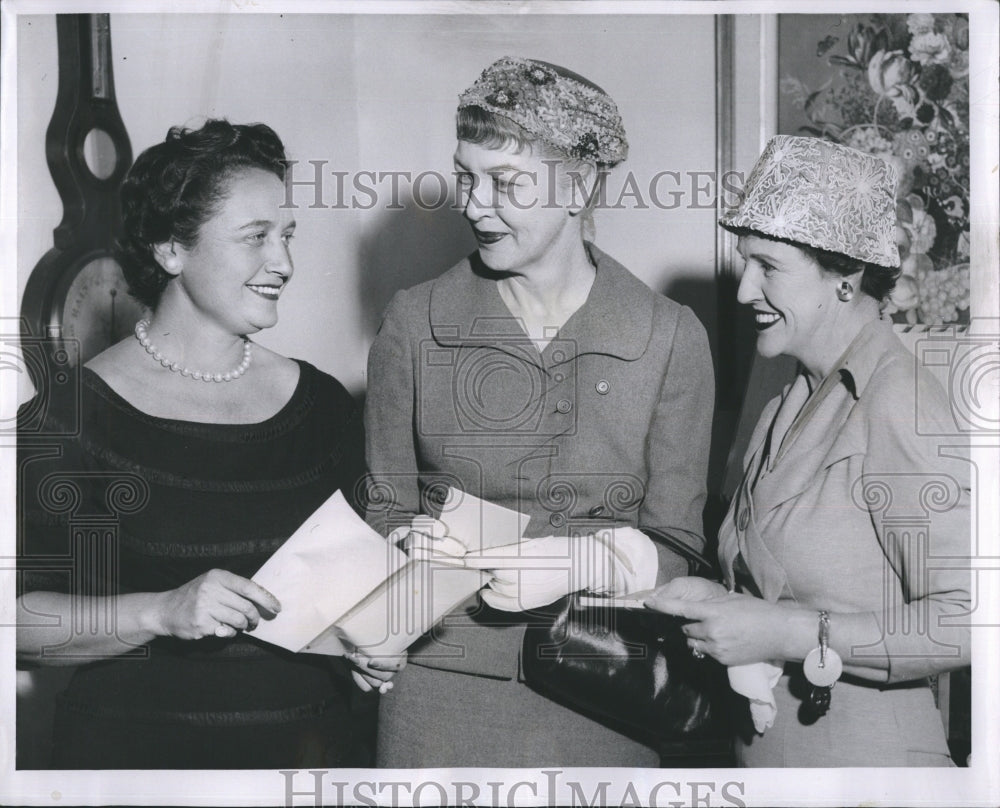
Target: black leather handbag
{"type": "Point", "coordinates": [629, 668]}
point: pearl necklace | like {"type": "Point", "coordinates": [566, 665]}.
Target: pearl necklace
{"type": "Point", "coordinates": [153, 351]}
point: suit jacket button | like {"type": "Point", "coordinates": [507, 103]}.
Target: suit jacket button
{"type": "Point", "coordinates": [603, 386]}
{"type": "Point", "coordinates": [564, 405]}
{"type": "Point", "coordinates": [596, 511]}
{"type": "Point", "coordinates": [557, 520]}
{"type": "Point", "coordinates": [744, 519]}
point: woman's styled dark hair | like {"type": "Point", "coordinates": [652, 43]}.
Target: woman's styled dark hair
{"type": "Point", "coordinates": [877, 281]}
{"type": "Point", "coordinates": [174, 187]}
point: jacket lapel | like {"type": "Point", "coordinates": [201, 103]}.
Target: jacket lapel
{"type": "Point", "coordinates": [739, 535]}
{"type": "Point", "coordinates": [827, 439]}
{"type": "Point", "coordinates": [617, 318]}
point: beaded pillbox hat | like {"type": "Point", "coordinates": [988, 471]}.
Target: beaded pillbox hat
{"type": "Point", "coordinates": [555, 105]}
{"type": "Point", "coordinates": [822, 194]}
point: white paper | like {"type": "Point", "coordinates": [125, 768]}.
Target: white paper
{"type": "Point", "coordinates": [406, 607]}
{"type": "Point", "coordinates": [479, 524]}
{"type": "Point", "coordinates": [342, 586]}
{"type": "Point", "coordinates": [329, 564]}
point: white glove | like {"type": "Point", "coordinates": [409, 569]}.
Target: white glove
{"type": "Point", "coordinates": [756, 681]}
{"type": "Point", "coordinates": [427, 539]}
{"type": "Point", "coordinates": [536, 572]}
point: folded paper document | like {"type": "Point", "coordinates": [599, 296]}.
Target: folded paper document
{"type": "Point", "coordinates": [344, 587]}
{"type": "Point", "coordinates": [479, 524]}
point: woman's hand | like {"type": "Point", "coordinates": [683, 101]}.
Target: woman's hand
{"type": "Point", "coordinates": [690, 587]}
{"type": "Point", "coordinates": [734, 628]}
{"type": "Point", "coordinates": [427, 539]}
{"type": "Point", "coordinates": [375, 674]}
{"type": "Point", "coordinates": [218, 603]}
{"type": "Point", "coordinates": [536, 572]}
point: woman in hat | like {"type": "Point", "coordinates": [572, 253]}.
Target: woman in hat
{"type": "Point", "coordinates": [540, 375]}
{"type": "Point", "coordinates": [849, 494]}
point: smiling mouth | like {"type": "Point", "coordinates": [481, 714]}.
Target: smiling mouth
{"type": "Point", "coordinates": [487, 238]}
{"type": "Point", "coordinates": [763, 320]}
{"type": "Point", "coordinates": [268, 292]}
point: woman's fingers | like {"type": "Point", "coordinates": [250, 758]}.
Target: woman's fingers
{"type": "Point", "coordinates": [362, 682]}
{"type": "Point", "coordinates": [236, 616]}
{"type": "Point", "coordinates": [503, 603]}
{"type": "Point", "coordinates": [218, 603]}
{"type": "Point", "coordinates": [690, 609]}
{"type": "Point", "coordinates": [696, 631]}
{"type": "Point", "coordinates": [674, 588]}
{"type": "Point", "coordinates": [420, 545]}
{"type": "Point", "coordinates": [376, 674]}
{"type": "Point", "coordinates": [238, 601]}
{"type": "Point", "coordinates": [692, 588]}
{"type": "Point", "coordinates": [369, 677]}
{"type": "Point", "coordinates": [389, 664]}
{"type": "Point", "coordinates": [426, 535]}
{"type": "Point", "coordinates": [266, 603]}
{"type": "Point", "coordinates": [505, 587]}
{"type": "Point", "coordinates": [228, 607]}
{"type": "Point", "coordinates": [434, 528]}
{"type": "Point", "coordinates": [368, 683]}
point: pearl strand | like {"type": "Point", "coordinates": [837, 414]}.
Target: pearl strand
{"type": "Point", "coordinates": [197, 375]}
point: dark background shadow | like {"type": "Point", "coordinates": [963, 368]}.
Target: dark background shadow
{"type": "Point", "coordinates": [408, 247]}
{"type": "Point", "coordinates": [732, 338]}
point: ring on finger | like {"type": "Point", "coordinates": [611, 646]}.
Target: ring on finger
{"type": "Point", "coordinates": [222, 631]}
{"type": "Point", "coordinates": [696, 652]}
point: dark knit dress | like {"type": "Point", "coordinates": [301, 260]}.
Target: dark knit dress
{"type": "Point", "coordinates": [117, 501]}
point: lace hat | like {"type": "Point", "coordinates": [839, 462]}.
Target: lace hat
{"type": "Point", "coordinates": [555, 105]}
{"type": "Point", "coordinates": [823, 194]}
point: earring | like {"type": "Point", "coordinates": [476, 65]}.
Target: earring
{"type": "Point", "coordinates": [845, 291]}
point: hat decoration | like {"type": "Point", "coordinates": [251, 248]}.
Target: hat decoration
{"type": "Point", "coordinates": [555, 105]}
{"type": "Point", "coordinates": [822, 194]}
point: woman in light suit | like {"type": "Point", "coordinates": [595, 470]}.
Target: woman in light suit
{"type": "Point", "coordinates": [836, 539]}
{"type": "Point", "coordinates": [541, 375]}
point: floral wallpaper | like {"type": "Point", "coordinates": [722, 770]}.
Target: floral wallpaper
{"type": "Point", "coordinates": [895, 85]}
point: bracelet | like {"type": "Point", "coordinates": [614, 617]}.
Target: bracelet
{"type": "Point", "coordinates": [823, 666]}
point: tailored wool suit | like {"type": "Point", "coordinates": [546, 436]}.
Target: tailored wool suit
{"type": "Point", "coordinates": [609, 424]}
{"type": "Point", "coordinates": [858, 502]}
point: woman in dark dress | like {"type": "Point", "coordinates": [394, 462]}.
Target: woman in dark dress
{"type": "Point", "coordinates": [198, 453]}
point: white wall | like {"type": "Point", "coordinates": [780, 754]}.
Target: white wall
{"type": "Point", "coordinates": [378, 93]}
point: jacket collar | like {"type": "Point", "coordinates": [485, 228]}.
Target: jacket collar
{"type": "Point", "coordinates": [616, 319]}
{"type": "Point", "coordinates": [857, 366]}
